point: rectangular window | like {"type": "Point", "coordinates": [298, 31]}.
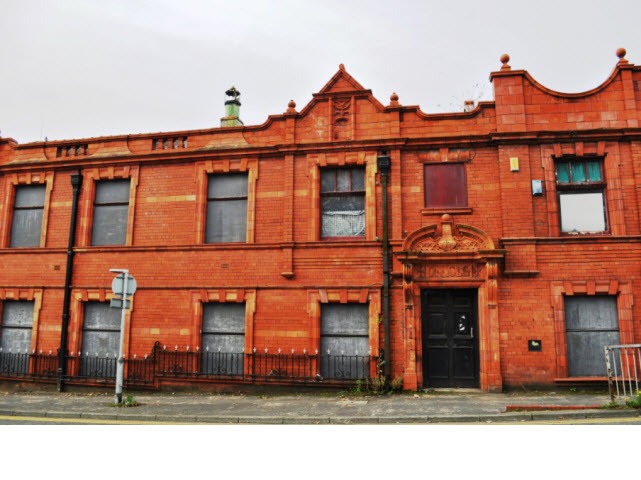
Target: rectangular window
{"type": "Point", "coordinates": [344, 341]}
{"type": "Point", "coordinates": [581, 189]}
{"type": "Point", "coordinates": [223, 338]}
{"type": "Point", "coordinates": [15, 336]}
{"type": "Point", "coordinates": [28, 208]}
{"type": "Point", "coordinates": [110, 212]}
{"type": "Point", "coordinates": [100, 340]}
{"type": "Point", "coordinates": [342, 197]}
{"type": "Point", "coordinates": [226, 208]}
{"type": "Point", "coordinates": [445, 185]}
{"type": "Point", "coordinates": [591, 323]}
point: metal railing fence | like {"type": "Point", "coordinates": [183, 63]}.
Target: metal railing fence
{"type": "Point", "coordinates": [254, 367]}
{"type": "Point", "coordinates": [623, 363]}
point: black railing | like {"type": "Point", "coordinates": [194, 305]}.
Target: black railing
{"type": "Point", "coordinates": [255, 367]}
{"type": "Point", "coordinates": [263, 367]}
{"type": "Point", "coordinates": [15, 363]}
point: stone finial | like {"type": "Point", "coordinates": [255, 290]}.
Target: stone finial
{"type": "Point", "coordinates": [621, 54]}
{"type": "Point", "coordinates": [341, 67]}
{"type": "Point", "coordinates": [291, 107]}
{"type": "Point", "coordinates": [504, 59]}
{"type": "Point", "coordinates": [394, 100]}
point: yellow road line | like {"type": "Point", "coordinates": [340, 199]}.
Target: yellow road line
{"type": "Point", "coordinates": [96, 421]}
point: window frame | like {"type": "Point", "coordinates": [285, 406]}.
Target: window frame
{"type": "Point", "coordinates": [30, 295]}
{"type": "Point", "coordinates": [570, 188]}
{"type": "Point", "coordinates": [210, 200]}
{"type": "Point", "coordinates": [201, 297]}
{"type": "Point", "coordinates": [203, 170]}
{"type": "Point", "coordinates": [326, 368]}
{"type": "Point", "coordinates": [98, 206]}
{"type": "Point", "coordinates": [17, 327]}
{"type": "Point", "coordinates": [16, 208]}
{"type": "Point", "coordinates": [214, 333]}
{"type": "Point", "coordinates": [88, 195]}
{"type": "Point", "coordinates": [372, 297]}
{"type": "Point", "coordinates": [11, 182]}
{"type": "Point", "coordinates": [463, 167]}
{"type": "Point", "coordinates": [317, 161]}
{"type": "Point", "coordinates": [346, 193]}
{"type": "Point", "coordinates": [79, 297]}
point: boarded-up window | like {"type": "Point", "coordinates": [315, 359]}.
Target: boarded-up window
{"type": "Point", "coordinates": [345, 341]}
{"type": "Point", "coordinates": [342, 202]}
{"type": "Point", "coordinates": [100, 340]}
{"type": "Point", "coordinates": [581, 189]}
{"type": "Point", "coordinates": [445, 185]}
{"type": "Point", "coordinates": [110, 212]}
{"type": "Point", "coordinates": [15, 335]}
{"type": "Point", "coordinates": [591, 323]}
{"type": "Point", "coordinates": [226, 208]}
{"type": "Point", "coordinates": [223, 338]}
{"type": "Point", "coordinates": [28, 208]}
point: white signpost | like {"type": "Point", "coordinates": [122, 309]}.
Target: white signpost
{"type": "Point", "coordinates": [123, 286]}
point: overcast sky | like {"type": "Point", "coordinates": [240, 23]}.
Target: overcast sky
{"type": "Point", "coordinates": [76, 69]}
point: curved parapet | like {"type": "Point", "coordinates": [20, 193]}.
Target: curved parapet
{"type": "Point", "coordinates": [523, 104]}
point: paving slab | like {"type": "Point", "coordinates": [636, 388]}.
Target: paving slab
{"type": "Point", "coordinates": [51, 414]}
{"type": "Point", "coordinates": [454, 419]}
{"type": "Point", "coordinates": [306, 420]}
{"type": "Point", "coordinates": [350, 420]}
{"type": "Point", "coordinates": [262, 420]}
{"type": "Point", "coordinates": [508, 417]}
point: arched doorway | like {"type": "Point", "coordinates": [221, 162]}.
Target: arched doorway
{"type": "Point", "coordinates": [450, 321]}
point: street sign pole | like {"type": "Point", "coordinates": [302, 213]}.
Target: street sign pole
{"type": "Point", "coordinates": [120, 367]}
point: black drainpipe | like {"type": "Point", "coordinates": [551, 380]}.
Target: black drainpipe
{"type": "Point", "coordinates": [384, 165]}
{"type": "Point", "coordinates": [76, 183]}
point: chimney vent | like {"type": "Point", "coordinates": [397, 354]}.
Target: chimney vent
{"type": "Point", "coordinates": [232, 108]}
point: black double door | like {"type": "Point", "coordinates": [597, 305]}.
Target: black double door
{"type": "Point", "coordinates": [450, 338]}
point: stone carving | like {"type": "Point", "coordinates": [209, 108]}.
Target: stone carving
{"type": "Point", "coordinates": [462, 270]}
{"type": "Point", "coordinates": [451, 239]}
{"type": "Point", "coordinates": [341, 107]}
{"type": "Point", "coordinates": [340, 114]}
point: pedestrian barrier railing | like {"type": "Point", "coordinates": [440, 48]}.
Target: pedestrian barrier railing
{"type": "Point", "coordinates": [254, 367]}
{"type": "Point", "coordinates": [623, 363]}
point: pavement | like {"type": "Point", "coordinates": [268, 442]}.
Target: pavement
{"type": "Point", "coordinates": [466, 406]}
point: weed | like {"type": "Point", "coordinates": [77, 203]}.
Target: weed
{"type": "Point", "coordinates": [573, 389]}
{"type": "Point", "coordinates": [612, 404]}
{"type": "Point", "coordinates": [129, 401]}
{"type": "Point", "coordinates": [635, 402]}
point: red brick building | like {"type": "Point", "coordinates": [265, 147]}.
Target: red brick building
{"type": "Point", "coordinates": [514, 241]}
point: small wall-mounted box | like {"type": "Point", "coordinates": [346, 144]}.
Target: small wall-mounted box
{"type": "Point", "coordinates": [514, 164]}
{"type": "Point", "coordinates": [537, 188]}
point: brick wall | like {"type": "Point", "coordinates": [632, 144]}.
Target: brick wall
{"type": "Point", "coordinates": [290, 270]}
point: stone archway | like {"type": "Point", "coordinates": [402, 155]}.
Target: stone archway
{"type": "Point", "coordinates": [451, 256]}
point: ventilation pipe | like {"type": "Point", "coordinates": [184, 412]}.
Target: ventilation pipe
{"type": "Point", "coordinates": [384, 165]}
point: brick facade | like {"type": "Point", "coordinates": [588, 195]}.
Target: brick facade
{"type": "Point", "coordinates": [506, 244]}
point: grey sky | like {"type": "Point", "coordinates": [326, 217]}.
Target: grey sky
{"type": "Point", "coordinates": [73, 69]}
